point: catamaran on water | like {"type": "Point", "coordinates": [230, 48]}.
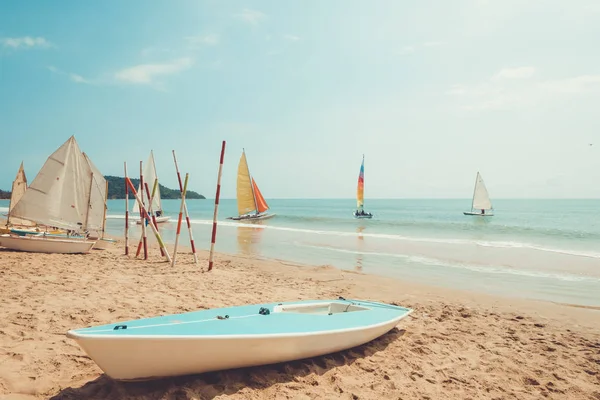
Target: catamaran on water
{"type": "Point", "coordinates": [360, 194]}
{"type": "Point", "coordinates": [481, 204]}
{"type": "Point", "coordinates": [250, 201]}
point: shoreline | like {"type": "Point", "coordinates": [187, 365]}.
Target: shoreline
{"type": "Point", "coordinates": [455, 344]}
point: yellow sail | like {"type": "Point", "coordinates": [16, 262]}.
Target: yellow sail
{"type": "Point", "coordinates": [245, 195]}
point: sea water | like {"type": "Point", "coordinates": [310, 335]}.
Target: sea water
{"type": "Point", "coordinates": [538, 249]}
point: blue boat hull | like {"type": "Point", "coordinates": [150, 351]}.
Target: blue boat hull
{"type": "Point", "coordinates": [233, 337]}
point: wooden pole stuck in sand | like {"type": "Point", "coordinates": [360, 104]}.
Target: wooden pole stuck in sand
{"type": "Point", "coordinates": [214, 229]}
{"type": "Point", "coordinates": [143, 242]}
{"type": "Point", "coordinates": [150, 206]}
{"type": "Point", "coordinates": [126, 214]}
{"type": "Point", "coordinates": [145, 215]}
{"type": "Point", "coordinates": [185, 209]}
{"type": "Point", "coordinates": [179, 219]}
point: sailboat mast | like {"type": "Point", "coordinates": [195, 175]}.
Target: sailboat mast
{"type": "Point", "coordinates": [155, 177]}
{"type": "Point", "coordinates": [105, 207]}
{"type": "Point", "coordinates": [474, 190]}
{"type": "Point", "coordinates": [251, 185]}
{"type": "Point", "coordinates": [87, 213]}
{"type": "Point", "coordinates": [363, 173]}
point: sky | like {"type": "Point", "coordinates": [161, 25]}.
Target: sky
{"type": "Point", "coordinates": [429, 91]}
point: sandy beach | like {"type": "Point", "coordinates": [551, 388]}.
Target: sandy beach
{"type": "Point", "coordinates": [455, 344]}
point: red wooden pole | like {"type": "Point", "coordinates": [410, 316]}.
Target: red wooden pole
{"type": "Point", "coordinates": [126, 214]}
{"type": "Point", "coordinates": [214, 229]}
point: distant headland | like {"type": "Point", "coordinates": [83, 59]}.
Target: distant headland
{"type": "Point", "coordinates": [116, 190]}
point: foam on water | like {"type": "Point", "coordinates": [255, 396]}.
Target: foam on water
{"type": "Point", "coordinates": [545, 249]}
{"type": "Point", "coordinates": [488, 269]}
{"type": "Point", "coordinates": [447, 241]}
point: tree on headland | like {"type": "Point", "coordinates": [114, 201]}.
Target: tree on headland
{"type": "Point", "coordinates": [116, 190]}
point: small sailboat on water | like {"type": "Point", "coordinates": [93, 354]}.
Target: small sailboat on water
{"type": "Point", "coordinates": [360, 194]}
{"type": "Point", "coordinates": [481, 204]}
{"type": "Point", "coordinates": [150, 177]}
{"type": "Point", "coordinates": [250, 201]}
{"type": "Point", "coordinates": [61, 196]}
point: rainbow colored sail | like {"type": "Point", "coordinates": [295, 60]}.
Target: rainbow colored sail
{"type": "Point", "coordinates": [360, 191]}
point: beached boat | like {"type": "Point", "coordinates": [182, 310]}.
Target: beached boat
{"type": "Point", "coordinates": [43, 244]}
{"type": "Point", "coordinates": [61, 196]}
{"type": "Point", "coordinates": [234, 337]}
{"type": "Point", "coordinates": [250, 201]}
{"type": "Point", "coordinates": [360, 195]}
{"type": "Point", "coordinates": [103, 243]}
{"type": "Point", "coordinates": [481, 205]}
{"type": "Point", "coordinates": [155, 209]}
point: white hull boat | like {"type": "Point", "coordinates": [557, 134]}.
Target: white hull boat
{"type": "Point", "coordinates": [104, 243]}
{"type": "Point", "coordinates": [218, 339]}
{"type": "Point", "coordinates": [252, 206]}
{"type": "Point", "coordinates": [40, 244]}
{"type": "Point", "coordinates": [252, 217]}
{"type": "Point", "coordinates": [159, 220]}
{"type": "Point", "coordinates": [481, 205]}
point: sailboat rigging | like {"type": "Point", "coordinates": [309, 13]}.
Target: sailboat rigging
{"type": "Point", "coordinates": [19, 187]}
{"type": "Point", "coordinates": [250, 201]}
{"type": "Point", "coordinates": [60, 196]}
{"type": "Point", "coordinates": [360, 194]}
{"type": "Point", "coordinates": [155, 209]}
{"type": "Point", "coordinates": [481, 204]}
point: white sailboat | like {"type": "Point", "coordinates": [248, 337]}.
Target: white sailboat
{"type": "Point", "coordinates": [250, 201]}
{"type": "Point", "coordinates": [481, 204]}
{"type": "Point", "coordinates": [59, 196]}
{"type": "Point", "coordinates": [98, 208]}
{"type": "Point", "coordinates": [19, 225]}
{"type": "Point", "coordinates": [155, 210]}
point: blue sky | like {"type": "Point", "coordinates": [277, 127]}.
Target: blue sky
{"type": "Point", "coordinates": [430, 91]}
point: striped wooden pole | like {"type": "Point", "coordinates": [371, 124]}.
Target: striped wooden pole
{"type": "Point", "coordinates": [179, 220]}
{"type": "Point", "coordinates": [150, 209]}
{"type": "Point", "coordinates": [185, 209]}
{"type": "Point", "coordinates": [140, 206]}
{"type": "Point", "coordinates": [126, 214]}
{"type": "Point", "coordinates": [214, 229]}
{"type": "Point", "coordinates": [145, 215]}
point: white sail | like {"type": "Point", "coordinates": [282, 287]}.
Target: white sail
{"type": "Point", "coordinates": [95, 217]}
{"type": "Point", "coordinates": [59, 195]}
{"type": "Point", "coordinates": [149, 177]}
{"type": "Point", "coordinates": [481, 198]}
{"type": "Point", "coordinates": [19, 187]}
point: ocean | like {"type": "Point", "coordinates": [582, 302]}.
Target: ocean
{"type": "Point", "coordinates": [536, 249]}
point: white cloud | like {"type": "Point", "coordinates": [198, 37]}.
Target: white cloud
{"type": "Point", "coordinates": [149, 51]}
{"type": "Point", "coordinates": [251, 16]}
{"type": "Point", "coordinates": [211, 39]}
{"type": "Point", "coordinates": [26, 42]}
{"type": "Point", "coordinates": [414, 47]}
{"type": "Point", "coordinates": [73, 77]}
{"type": "Point", "coordinates": [292, 38]}
{"type": "Point", "coordinates": [146, 73]}
{"type": "Point", "coordinates": [407, 50]}
{"type": "Point", "coordinates": [578, 84]}
{"type": "Point", "coordinates": [515, 73]}
{"type": "Point", "coordinates": [516, 87]}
